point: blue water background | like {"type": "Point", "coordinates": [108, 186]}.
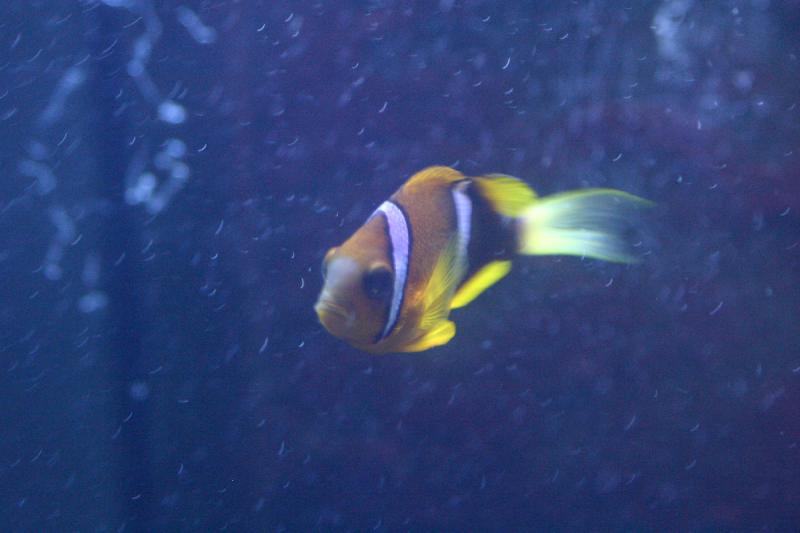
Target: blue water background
{"type": "Point", "coordinates": [174, 171]}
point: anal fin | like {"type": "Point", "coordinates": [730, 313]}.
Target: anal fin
{"type": "Point", "coordinates": [479, 282]}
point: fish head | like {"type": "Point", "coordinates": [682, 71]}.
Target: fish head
{"type": "Point", "coordinates": [358, 281]}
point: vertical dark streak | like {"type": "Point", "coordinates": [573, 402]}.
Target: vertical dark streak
{"type": "Point", "coordinates": [119, 239]}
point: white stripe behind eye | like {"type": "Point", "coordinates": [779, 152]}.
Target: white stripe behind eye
{"type": "Point", "coordinates": [400, 245]}
{"type": "Point", "coordinates": [463, 220]}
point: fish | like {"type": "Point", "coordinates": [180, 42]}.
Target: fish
{"type": "Point", "coordinates": [442, 239]}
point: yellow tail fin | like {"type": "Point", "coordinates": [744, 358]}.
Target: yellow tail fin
{"type": "Point", "coordinates": [586, 223]}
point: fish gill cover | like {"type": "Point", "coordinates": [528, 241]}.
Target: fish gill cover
{"type": "Point", "coordinates": [174, 171]}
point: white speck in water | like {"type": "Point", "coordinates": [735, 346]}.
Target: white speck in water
{"type": "Point", "coordinates": [716, 309]}
{"type": "Point", "coordinates": [37, 455]}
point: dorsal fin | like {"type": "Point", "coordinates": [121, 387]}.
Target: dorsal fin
{"type": "Point", "coordinates": [440, 173]}
{"type": "Point", "coordinates": [507, 195]}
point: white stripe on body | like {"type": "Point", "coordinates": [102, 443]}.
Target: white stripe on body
{"type": "Point", "coordinates": [400, 251]}
{"type": "Point", "coordinates": [463, 206]}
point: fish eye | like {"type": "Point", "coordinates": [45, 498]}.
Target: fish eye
{"type": "Point", "coordinates": [378, 283]}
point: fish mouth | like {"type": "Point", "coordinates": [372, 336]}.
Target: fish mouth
{"type": "Point", "coordinates": [336, 318]}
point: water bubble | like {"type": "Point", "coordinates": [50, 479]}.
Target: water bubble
{"type": "Point", "coordinates": [171, 112]}
{"type": "Point", "coordinates": [93, 301]}
{"type": "Point", "coordinates": [142, 190]}
{"type": "Point", "coordinates": [180, 171]}
{"type": "Point", "coordinates": [175, 148]}
{"type": "Point", "coordinates": [139, 390]}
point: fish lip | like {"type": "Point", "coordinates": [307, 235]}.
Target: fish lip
{"type": "Point", "coordinates": [324, 306]}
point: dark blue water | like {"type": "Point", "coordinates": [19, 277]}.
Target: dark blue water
{"type": "Point", "coordinates": [173, 172]}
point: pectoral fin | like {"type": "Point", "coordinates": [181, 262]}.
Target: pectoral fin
{"type": "Point", "coordinates": [479, 282]}
{"type": "Point", "coordinates": [440, 334]}
{"type": "Point", "coordinates": [438, 293]}
{"type": "Point", "coordinates": [436, 329]}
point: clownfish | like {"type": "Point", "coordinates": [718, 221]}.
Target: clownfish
{"type": "Point", "coordinates": [442, 239]}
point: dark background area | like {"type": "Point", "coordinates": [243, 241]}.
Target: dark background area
{"type": "Point", "coordinates": [173, 172]}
